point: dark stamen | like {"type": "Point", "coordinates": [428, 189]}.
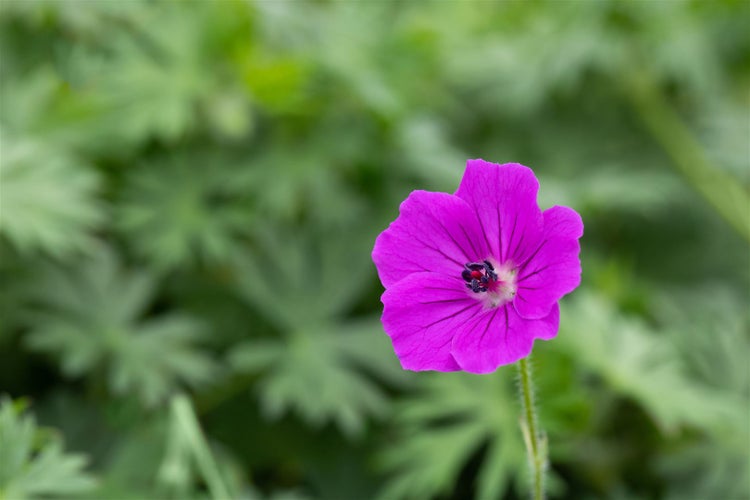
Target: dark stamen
{"type": "Point", "coordinates": [478, 276]}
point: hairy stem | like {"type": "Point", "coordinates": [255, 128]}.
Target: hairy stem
{"type": "Point", "coordinates": [536, 444]}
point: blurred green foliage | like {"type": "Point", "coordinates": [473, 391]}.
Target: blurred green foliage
{"type": "Point", "coordinates": [189, 192]}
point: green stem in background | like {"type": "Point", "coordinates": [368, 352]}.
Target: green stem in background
{"type": "Point", "coordinates": [186, 419]}
{"type": "Point", "coordinates": [726, 194]}
{"type": "Point", "coordinates": [536, 443]}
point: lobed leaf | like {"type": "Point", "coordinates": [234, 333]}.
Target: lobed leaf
{"type": "Point", "coordinates": [92, 318]}
{"type": "Point", "coordinates": [33, 463]}
{"type": "Point", "coordinates": [48, 200]}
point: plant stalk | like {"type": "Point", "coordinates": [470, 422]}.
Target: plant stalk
{"type": "Point", "coordinates": [536, 443]}
{"type": "Point", "coordinates": [183, 411]}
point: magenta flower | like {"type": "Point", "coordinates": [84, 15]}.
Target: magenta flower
{"type": "Point", "coordinates": [473, 278]}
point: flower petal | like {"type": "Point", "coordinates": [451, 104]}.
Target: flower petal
{"type": "Point", "coordinates": [553, 269]}
{"type": "Point", "coordinates": [434, 232]}
{"type": "Point", "coordinates": [421, 315]}
{"type": "Point", "coordinates": [499, 337]}
{"type": "Point", "coordinates": [504, 197]}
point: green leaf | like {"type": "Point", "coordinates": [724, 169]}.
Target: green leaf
{"type": "Point", "coordinates": [637, 363]}
{"type": "Point", "coordinates": [440, 428]}
{"type": "Point", "coordinates": [302, 284]}
{"type": "Point", "coordinates": [712, 338]}
{"type": "Point", "coordinates": [704, 470]}
{"type": "Point", "coordinates": [615, 188]}
{"type": "Point", "coordinates": [32, 461]}
{"type": "Point", "coordinates": [296, 278]}
{"type": "Point", "coordinates": [48, 198]}
{"type": "Point", "coordinates": [526, 71]}
{"type": "Point", "coordinates": [91, 318]}
{"type": "Point", "coordinates": [313, 185]}
{"type": "Point", "coordinates": [719, 188]}
{"type": "Point", "coordinates": [182, 209]}
{"type": "Point", "coordinates": [321, 372]}
{"type": "Point", "coordinates": [163, 83]}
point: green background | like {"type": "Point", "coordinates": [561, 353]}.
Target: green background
{"type": "Point", "coordinates": [190, 192]}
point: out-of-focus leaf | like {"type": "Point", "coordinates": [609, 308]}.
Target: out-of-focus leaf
{"type": "Point", "coordinates": [32, 461]}
{"type": "Point", "coordinates": [28, 101]}
{"type": "Point", "coordinates": [705, 470]}
{"type": "Point", "coordinates": [425, 148]}
{"type": "Point", "coordinates": [724, 192]}
{"type": "Point", "coordinates": [317, 34]}
{"type": "Point", "coordinates": [724, 129]}
{"type": "Point", "coordinates": [184, 209]}
{"type": "Point", "coordinates": [47, 198]}
{"type": "Point", "coordinates": [91, 318]}
{"type": "Point", "coordinates": [132, 461]}
{"type": "Point", "coordinates": [442, 427]}
{"type": "Point", "coordinates": [300, 278]}
{"type": "Point", "coordinates": [321, 372]}
{"type": "Point", "coordinates": [714, 345]}
{"type": "Point", "coordinates": [637, 363]}
{"type": "Point", "coordinates": [673, 38]}
{"type": "Point", "coordinates": [616, 189]}
{"type": "Point", "coordinates": [313, 184]}
{"type": "Point", "coordinates": [91, 21]}
{"type": "Point", "coordinates": [163, 82]}
{"type": "Point", "coordinates": [301, 285]}
{"type": "Point", "coordinates": [276, 81]}
{"type": "Point", "coordinates": [277, 495]}
{"type": "Point", "coordinates": [515, 69]}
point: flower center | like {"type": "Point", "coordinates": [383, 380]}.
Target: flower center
{"type": "Point", "coordinates": [479, 277]}
{"type": "Point", "coordinates": [494, 284]}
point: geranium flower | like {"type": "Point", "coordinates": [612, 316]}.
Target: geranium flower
{"type": "Point", "coordinates": [473, 278]}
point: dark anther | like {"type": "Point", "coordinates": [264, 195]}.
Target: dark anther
{"type": "Point", "coordinates": [478, 275]}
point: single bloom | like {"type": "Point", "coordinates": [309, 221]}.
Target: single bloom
{"type": "Point", "coordinates": [471, 279]}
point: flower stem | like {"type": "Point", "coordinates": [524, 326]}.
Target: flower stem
{"type": "Point", "coordinates": [536, 443]}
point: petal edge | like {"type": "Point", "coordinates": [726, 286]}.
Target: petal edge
{"type": "Point", "coordinates": [434, 232]}
{"type": "Point", "coordinates": [505, 199]}
{"type": "Point", "coordinates": [500, 337]}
